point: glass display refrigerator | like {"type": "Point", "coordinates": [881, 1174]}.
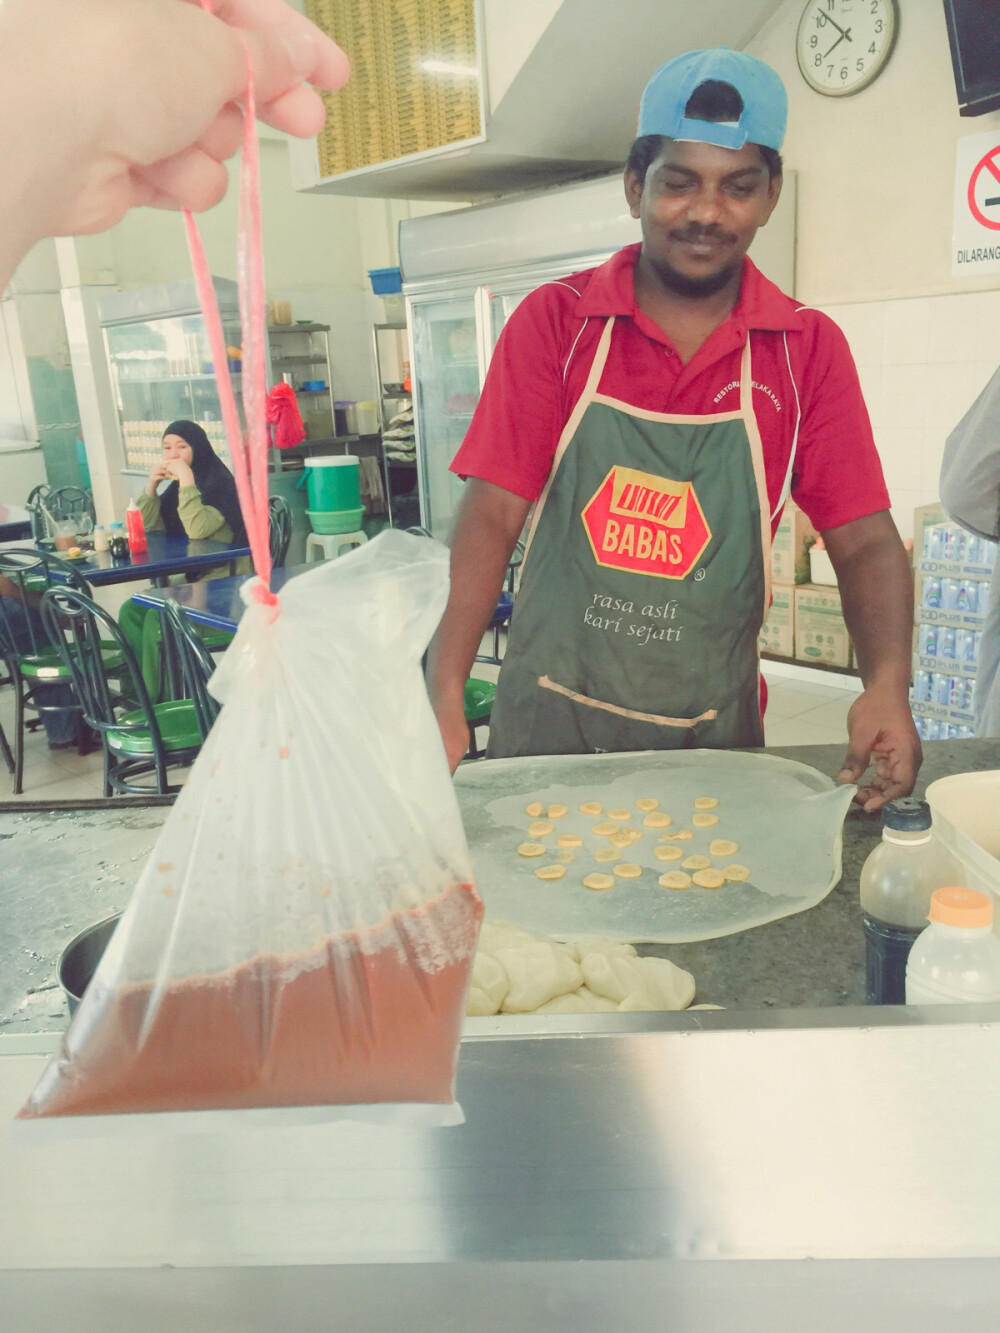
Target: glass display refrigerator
{"type": "Point", "coordinates": [161, 365]}
{"type": "Point", "coordinates": [466, 271]}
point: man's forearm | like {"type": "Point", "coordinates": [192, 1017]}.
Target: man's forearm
{"type": "Point", "coordinates": [876, 589]}
{"type": "Point", "coordinates": [487, 528]}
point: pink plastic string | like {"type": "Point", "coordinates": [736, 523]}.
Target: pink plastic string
{"type": "Point", "coordinates": [247, 449]}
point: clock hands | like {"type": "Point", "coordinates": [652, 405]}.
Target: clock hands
{"type": "Point", "coordinates": [844, 32]}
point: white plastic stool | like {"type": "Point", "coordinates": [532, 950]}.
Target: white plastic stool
{"type": "Point", "coordinates": [327, 546]}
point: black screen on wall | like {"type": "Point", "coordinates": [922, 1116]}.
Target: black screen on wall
{"type": "Point", "coordinates": [974, 37]}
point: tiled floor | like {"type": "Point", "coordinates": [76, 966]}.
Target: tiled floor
{"type": "Point", "coordinates": [799, 713]}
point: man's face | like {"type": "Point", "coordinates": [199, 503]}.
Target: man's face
{"type": "Point", "coordinates": [700, 207]}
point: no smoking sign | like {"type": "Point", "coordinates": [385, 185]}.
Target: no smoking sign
{"type": "Point", "coordinates": [976, 244]}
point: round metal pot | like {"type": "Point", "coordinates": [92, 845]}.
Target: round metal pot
{"type": "Point", "coordinates": [78, 961]}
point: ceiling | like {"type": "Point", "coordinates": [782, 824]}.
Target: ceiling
{"type": "Point", "coordinates": [570, 110]}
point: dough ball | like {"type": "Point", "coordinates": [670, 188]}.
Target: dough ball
{"type": "Point", "coordinates": [533, 810]}
{"type": "Point", "coordinates": [664, 852]}
{"type": "Point", "coordinates": [675, 879]}
{"type": "Point", "coordinates": [696, 863]}
{"type": "Point", "coordinates": [705, 802]}
{"type": "Point", "coordinates": [709, 879]}
{"type": "Point", "coordinates": [681, 835]}
{"type": "Point", "coordinates": [606, 854]}
{"type": "Point", "coordinates": [646, 803]}
{"type": "Point", "coordinates": [597, 881]}
{"type": "Point", "coordinates": [601, 944]}
{"type": "Point", "coordinates": [537, 973]}
{"type": "Point", "coordinates": [487, 988]}
{"type": "Point", "coordinates": [620, 815]}
{"type": "Point", "coordinates": [706, 1006]}
{"type": "Point", "coordinates": [531, 849]}
{"type": "Point", "coordinates": [496, 934]}
{"type": "Point", "coordinates": [723, 847]}
{"type": "Point", "coordinates": [582, 1001]}
{"type": "Point", "coordinates": [702, 820]}
{"type": "Point", "coordinates": [541, 828]}
{"type": "Point", "coordinates": [591, 808]}
{"type": "Point", "coordinates": [557, 811]}
{"type": "Point", "coordinates": [613, 975]}
{"type": "Point", "coordinates": [657, 820]}
{"type": "Point", "coordinates": [628, 870]}
{"type": "Point", "coordinates": [736, 872]}
{"type": "Point", "coordinates": [574, 840]}
{"type": "Point", "coordinates": [605, 829]}
{"type": "Point", "coordinates": [668, 984]}
{"type": "Point", "coordinates": [550, 872]}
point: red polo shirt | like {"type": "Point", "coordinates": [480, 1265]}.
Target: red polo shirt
{"type": "Point", "coordinates": [802, 372]}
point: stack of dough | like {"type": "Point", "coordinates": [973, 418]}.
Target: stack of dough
{"type": "Point", "coordinates": [516, 972]}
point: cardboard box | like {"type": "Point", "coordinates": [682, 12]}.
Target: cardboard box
{"type": "Point", "coordinates": [820, 633]}
{"type": "Point", "coordinates": [925, 516]}
{"type": "Point", "coordinates": [778, 635]}
{"type": "Point", "coordinates": [790, 547]}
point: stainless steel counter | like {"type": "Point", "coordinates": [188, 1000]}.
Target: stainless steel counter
{"type": "Point", "coordinates": [599, 1160]}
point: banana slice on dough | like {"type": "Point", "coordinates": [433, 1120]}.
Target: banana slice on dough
{"type": "Point", "coordinates": [598, 881]}
{"type": "Point", "coordinates": [675, 879]}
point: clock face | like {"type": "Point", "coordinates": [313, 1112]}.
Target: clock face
{"type": "Point", "coordinates": [843, 44]}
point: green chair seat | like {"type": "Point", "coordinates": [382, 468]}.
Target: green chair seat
{"type": "Point", "coordinates": [480, 696]}
{"type": "Point", "coordinates": [178, 726]}
{"type": "Point", "coordinates": [49, 666]}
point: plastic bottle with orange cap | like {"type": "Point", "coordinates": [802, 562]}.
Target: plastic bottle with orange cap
{"type": "Point", "coordinates": [956, 960]}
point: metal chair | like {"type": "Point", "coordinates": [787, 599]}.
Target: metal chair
{"type": "Point", "coordinates": [189, 665]}
{"type": "Point", "coordinates": [32, 663]}
{"type": "Point", "coordinates": [70, 502]}
{"type": "Point", "coordinates": [504, 608]}
{"type": "Point", "coordinates": [139, 738]}
{"type": "Point", "coordinates": [279, 513]}
{"type": "Point", "coordinates": [36, 504]}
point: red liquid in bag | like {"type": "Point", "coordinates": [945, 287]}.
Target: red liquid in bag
{"type": "Point", "coordinates": [372, 1016]}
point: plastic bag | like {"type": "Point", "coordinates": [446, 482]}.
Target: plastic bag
{"type": "Point", "coordinates": [304, 931]}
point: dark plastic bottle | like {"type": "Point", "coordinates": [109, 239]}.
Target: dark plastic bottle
{"type": "Point", "coordinates": [897, 881]}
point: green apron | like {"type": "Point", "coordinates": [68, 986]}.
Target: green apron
{"type": "Point", "coordinates": [644, 585]}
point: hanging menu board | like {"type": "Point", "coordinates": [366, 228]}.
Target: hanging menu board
{"type": "Point", "coordinates": [415, 82]}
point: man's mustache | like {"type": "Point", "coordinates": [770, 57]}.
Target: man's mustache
{"type": "Point", "coordinates": [694, 235]}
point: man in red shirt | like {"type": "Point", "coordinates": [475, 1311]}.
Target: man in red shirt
{"type": "Point", "coordinates": [654, 414]}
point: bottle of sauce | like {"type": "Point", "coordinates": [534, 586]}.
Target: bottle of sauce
{"type": "Point", "coordinates": [956, 960]}
{"type": "Point", "coordinates": [100, 536]}
{"type": "Point", "coordinates": [136, 528]}
{"type": "Point", "coordinates": [897, 881]}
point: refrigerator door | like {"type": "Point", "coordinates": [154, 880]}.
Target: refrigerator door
{"type": "Point", "coordinates": [447, 378]}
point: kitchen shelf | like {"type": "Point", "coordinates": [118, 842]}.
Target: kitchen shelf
{"type": "Point", "coordinates": [298, 360]}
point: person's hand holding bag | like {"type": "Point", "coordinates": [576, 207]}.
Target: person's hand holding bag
{"type": "Point", "coordinates": [107, 106]}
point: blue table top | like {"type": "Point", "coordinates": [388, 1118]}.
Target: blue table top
{"type": "Point", "coordinates": [165, 555]}
{"type": "Point", "coordinates": [214, 602]}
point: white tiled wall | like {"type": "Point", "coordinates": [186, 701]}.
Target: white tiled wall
{"type": "Point", "coordinates": [922, 362]}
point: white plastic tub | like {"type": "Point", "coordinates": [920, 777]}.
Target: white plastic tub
{"type": "Point", "coordinates": [966, 809]}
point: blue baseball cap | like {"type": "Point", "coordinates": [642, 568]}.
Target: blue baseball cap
{"type": "Point", "coordinates": [765, 102]}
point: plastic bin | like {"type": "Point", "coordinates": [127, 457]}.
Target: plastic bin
{"type": "Point", "coordinates": [385, 281]}
{"type": "Point", "coordinates": [333, 484]}
{"type": "Point", "coordinates": [965, 809]}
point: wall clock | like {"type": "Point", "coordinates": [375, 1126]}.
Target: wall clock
{"type": "Point", "coordinates": [842, 45]}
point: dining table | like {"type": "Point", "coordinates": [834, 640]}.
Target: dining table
{"type": "Point", "coordinates": [214, 602]}
{"type": "Point", "coordinates": [165, 554]}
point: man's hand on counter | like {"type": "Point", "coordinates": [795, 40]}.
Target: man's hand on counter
{"type": "Point", "coordinates": [881, 731]}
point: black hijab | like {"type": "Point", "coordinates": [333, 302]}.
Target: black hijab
{"type": "Point", "coordinates": [215, 483]}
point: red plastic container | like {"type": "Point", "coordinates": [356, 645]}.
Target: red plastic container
{"type": "Point", "coordinates": [136, 529]}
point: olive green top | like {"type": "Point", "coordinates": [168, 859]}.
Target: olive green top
{"type": "Point", "coordinates": [201, 522]}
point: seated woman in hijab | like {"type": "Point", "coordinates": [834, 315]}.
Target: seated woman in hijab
{"type": "Point", "coordinates": [200, 503]}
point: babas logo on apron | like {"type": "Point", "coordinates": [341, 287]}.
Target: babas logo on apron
{"type": "Point", "coordinates": [646, 524]}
